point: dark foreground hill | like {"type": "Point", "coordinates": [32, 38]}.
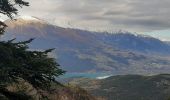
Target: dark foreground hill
{"type": "Point", "coordinates": [84, 51]}
{"type": "Point", "coordinates": [128, 87]}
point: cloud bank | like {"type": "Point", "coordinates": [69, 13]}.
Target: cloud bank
{"type": "Point", "coordinates": [130, 15]}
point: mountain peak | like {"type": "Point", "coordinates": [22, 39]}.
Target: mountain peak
{"type": "Point", "coordinates": [24, 20]}
{"type": "Point", "coordinates": [28, 18]}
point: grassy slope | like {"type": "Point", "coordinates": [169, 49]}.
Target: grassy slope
{"type": "Point", "coordinates": [24, 91]}
{"type": "Point", "coordinates": [129, 87]}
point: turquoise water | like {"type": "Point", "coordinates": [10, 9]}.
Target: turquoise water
{"type": "Point", "coordinates": [85, 75]}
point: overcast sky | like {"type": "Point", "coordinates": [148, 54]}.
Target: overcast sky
{"type": "Point", "coordinates": [131, 15]}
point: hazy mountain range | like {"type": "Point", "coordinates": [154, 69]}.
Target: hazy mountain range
{"type": "Point", "coordinates": [85, 51]}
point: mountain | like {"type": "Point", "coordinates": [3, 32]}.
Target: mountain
{"type": "Point", "coordinates": [168, 42]}
{"type": "Point", "coordinates": [85, 51]}
{"type": "Point", "coordinates": [138, 43]}
{"type": "Point", "coordinates": [128, 87]}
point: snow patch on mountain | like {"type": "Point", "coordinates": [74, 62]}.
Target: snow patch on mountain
{"type": "Point", "coordinates": [27, 18]}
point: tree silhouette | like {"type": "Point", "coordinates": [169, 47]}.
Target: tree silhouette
{"type": "Point", "coordinates": [18, 62]}
{"type": "Point", "coordinates": [36, 67]}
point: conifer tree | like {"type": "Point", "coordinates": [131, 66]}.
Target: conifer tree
{"type": "Point", "coordinates": [35, 67]}
{"type": "Point", "coordinates": [17, 62]}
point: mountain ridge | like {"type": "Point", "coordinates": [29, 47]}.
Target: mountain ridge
{"type": "Point", "coordinates": [85, 51]}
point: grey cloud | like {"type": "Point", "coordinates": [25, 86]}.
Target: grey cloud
{"type": "Point", "coordinates": [130, 15]}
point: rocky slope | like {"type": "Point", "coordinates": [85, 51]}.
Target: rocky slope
{"type": "Point", "coordinates": [25, 91]}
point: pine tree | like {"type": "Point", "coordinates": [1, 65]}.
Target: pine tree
{"type": "Point", "coordinates": [18, 62]}
{"type": "Point", "coordinates": [36, 67]}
